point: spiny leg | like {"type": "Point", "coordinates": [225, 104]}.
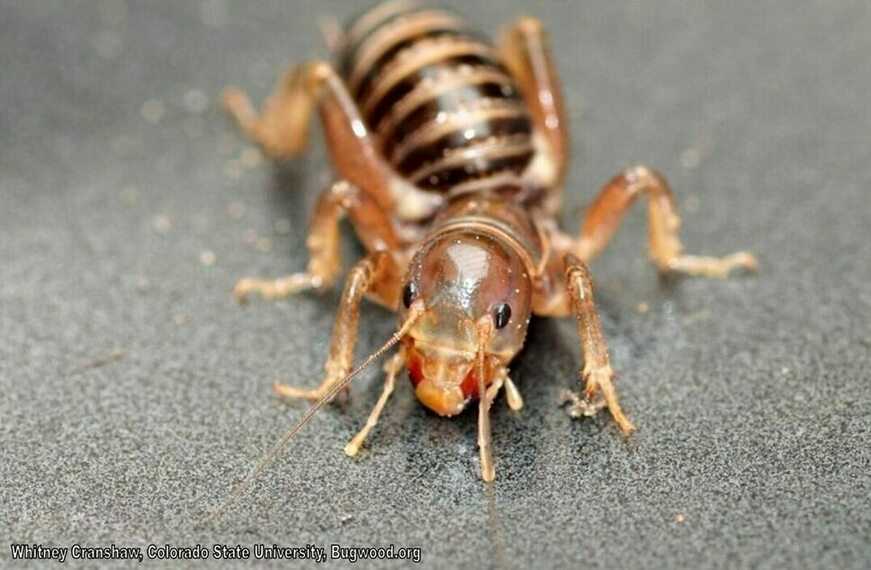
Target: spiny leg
{"type": "Point", "coordinates": [281, 128]}
{"type": "Point", "coordinates": [392, 368]}
{"type": "Point", "coordinates": [372, 227]}
{"type": "Point", "coordinates": [604, 216]}
{"type": "Point", "coordinates": [525, 50]}
{"type": "Point", "coordinates": [282, 131]}
{"type": "Point", "coordinates": [597, 374]}
{"type": "Point", "coordinates": [323, 248]}
{"type": "Point", "coordinates": [366, 276]}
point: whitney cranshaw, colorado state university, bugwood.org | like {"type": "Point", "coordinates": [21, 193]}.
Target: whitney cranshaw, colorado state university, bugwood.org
{"type": "Point", "coordinates": [313, 552]}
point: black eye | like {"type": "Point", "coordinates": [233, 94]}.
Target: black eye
{"type": "Point", "coordinates": [408, 294]}
{"type": "Point", "coordinates": [501, 315]}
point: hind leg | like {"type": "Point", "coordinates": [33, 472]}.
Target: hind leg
{"type": "Point", "coordinates": [666, 250]}
{"type": "Point", "coordinates": [524, 47]}
{"type": "Point", "coordinates": [282, 128]}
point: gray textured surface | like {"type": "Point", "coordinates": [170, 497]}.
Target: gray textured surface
{"type": "Point", "coordinates": [752, 395]}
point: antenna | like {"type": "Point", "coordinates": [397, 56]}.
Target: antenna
{"type": "Point", "coordinates": [415, 311]}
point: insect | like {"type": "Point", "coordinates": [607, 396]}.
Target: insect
{"type": "Point", "coordinates": [450, 154]}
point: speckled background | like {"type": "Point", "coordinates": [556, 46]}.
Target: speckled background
{"type": "Point", "coordinates": [135, 390]}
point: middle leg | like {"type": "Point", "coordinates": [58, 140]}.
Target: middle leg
{"type": "Point", "coordinates": [666, 250]}
{"type": "Point", "coordinates": [371, 224]}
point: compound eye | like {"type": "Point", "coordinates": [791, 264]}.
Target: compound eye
{"type": "Point", "coordinates": [501, 315]}
{"type": "Point", "coordinates": [408, 294]}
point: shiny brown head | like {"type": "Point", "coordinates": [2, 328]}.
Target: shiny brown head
{"type": "Point", "coordinates": [476, 294]}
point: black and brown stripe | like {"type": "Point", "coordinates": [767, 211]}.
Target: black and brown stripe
{"type": "Point", "coordinates": [444, 108]}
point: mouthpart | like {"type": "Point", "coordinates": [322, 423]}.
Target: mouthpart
{"type": "Point", "coordinates": [444, 380]}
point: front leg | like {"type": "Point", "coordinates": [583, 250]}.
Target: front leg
{"type": "Point", "coordinates": [598, 377]}
{"type": "Point", "coordinates": [373, 272]}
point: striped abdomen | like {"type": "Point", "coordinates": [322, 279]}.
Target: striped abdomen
{"type": "Point", "coordinates": [444, 109]}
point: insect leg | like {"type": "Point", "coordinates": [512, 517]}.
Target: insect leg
{"type": "Point", "coordinates": [604, 216]}
{"type": "Point", "coordinates": [597, 374]}
{"type": "Point", "coordinates": [282, 130]}
{"type": "Point", "coordinates": [392, 368]}
{"type": "Point", "coordinates": [366, 276]}
{"type": "Point", "coordinates": [371, 225]}
{"type": "Point", "coordinates": [524, 47]}
{"type": "Point", "coordinates": [324, 253]}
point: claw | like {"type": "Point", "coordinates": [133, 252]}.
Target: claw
{"type": "Point", "coordinates": [580, 407]}
{"type": "Point", "coordinates": [599, 393]}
